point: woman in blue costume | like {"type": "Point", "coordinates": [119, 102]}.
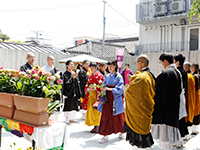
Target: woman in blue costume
{"type": "Point", "coordinates": [112, 118]}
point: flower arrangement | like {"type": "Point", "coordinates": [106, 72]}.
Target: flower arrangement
{"type": "Point", "coordinates": [31, 83]}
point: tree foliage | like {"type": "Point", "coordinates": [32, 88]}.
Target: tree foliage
{"type": "Point", "coordinates": [195, 10]}
{"type": "Point", "coordinates": [4, 37]}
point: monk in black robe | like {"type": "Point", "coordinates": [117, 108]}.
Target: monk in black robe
{"type": "Point", "coordinates": [29, 65]}
{"type": "Point", "coordinates": [167, 100]}
{"type": "Point", "coordinates": [71, 92]}
{"type": "Point", "coordinates": [179, 60]}
{"type": "Point", "coordinates": [83, 76]}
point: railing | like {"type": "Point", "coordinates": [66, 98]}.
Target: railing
{"type": "Point", "coordinates": [157, 9]}
{"type": "Point", "coordinates": [167, 47]}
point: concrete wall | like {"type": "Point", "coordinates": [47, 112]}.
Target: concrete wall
{"type": "Point", "coordinates": [13, 59]}
{"type": "Point", "coordinates": [154, 65]}
{"type": "Point", "coordinates": [156, 68]}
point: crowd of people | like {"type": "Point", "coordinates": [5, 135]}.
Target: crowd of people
{"type": "Point", "coordinates": [164, 108]}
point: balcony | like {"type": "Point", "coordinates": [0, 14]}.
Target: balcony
{"type": "Point", "coordinates": [159, 9]}
{"type": "Point", "coordinates": [168, 47]}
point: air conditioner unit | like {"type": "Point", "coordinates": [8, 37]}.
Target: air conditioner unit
{"type": "Point", "coordinates": [177, 7]}
{"type": "Point", "coordinates": [160, 10]}
{"type": "Point", "coordinates": [160, 2]}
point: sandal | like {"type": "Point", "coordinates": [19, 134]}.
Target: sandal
{"type": "Point", "coordinates": [103, 140]}
{"type": "Point", "coordinates": [121, 135]}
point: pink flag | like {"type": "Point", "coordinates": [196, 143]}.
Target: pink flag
{"type": "Point", "coordinates": [120, 54]}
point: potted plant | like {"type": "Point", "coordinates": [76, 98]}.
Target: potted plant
{"type": "Point", "coordinates": [7, 87]}
{"type": "Point", "coordinates": [34, 91]}
{"type": "Point", "coordinates": [7, 90]}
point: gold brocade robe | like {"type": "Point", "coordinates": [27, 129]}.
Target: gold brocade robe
{"type": "Point", "coordinates": [93, 116]}
{"type": "Point", "coordinates": [190, 98]}
{"type": "Point", "coordinates": [139, 102]}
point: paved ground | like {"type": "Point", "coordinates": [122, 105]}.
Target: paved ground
{"type": "Point", "coordinates": [81, 138]}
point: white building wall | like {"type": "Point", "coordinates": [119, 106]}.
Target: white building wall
{"type": "Point", "coordinates": [165, 33]}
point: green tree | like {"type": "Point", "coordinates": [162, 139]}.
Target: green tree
{"type": "Point", "coordinates": [195, 10]}
{"type": "Point", "coordinates": [4, 37]}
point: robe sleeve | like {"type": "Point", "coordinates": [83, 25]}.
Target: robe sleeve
{"type": "Point", "coordinates": [196, 82]}
{"type": "Point", "coordinates": [68, 89]}
{"type": "Point", "coordinates": [118, 89]}
{"type": "Point", "coordinates": [22, 68]}
{"type": "Point", "coordinates": [87, 85]}
{"type": "Point", "coordinates": [131, 72]}
{"type": "Point", "coordinates": [83, 80]}
{"type": "Point", "coordinates": [122, 72]}
{"type": "Point", "coordinates": [160, 83]}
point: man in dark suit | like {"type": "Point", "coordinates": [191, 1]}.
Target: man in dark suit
{"type": "Point", "coordinates": [83, 77]}
{"type": "Point", "coordinates": [30, 60]}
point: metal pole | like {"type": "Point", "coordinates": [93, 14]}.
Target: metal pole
{"type": "Point", "coordinates": [36, 36]}
{"type": "Point", "coordinates": [104, 23]}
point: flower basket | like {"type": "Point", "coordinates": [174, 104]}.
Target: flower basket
{"type": "Point", "coordinates": [7, 112]}
{"type": "Point", "coordinates": [30, 118]}
{"type": "Point", "coordinates": [6, 99]}
{"type": "Point", "coordinates": [30, 104]}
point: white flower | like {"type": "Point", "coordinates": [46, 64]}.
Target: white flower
{"type": "Point", "coordinates": [53, 91]}
{"type": "Point", "coordinates": [22, 73]}
{"type": "Point", "coordinates": [100, 82]}
{"type": "Point", "coordinates": [28, 71]}
{"type": "Point", "coordinates": [52, 78]}
{"type": "Point", "coordinates": [57, 76]}
{"type": "Point", "coordinates": [35, 75]}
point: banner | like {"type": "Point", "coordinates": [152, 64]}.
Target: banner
{"type": "Point", "coordinates": [120, 54]}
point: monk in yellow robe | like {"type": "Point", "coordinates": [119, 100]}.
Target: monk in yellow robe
{"type": "Point", "coordinates": [190, 95]}
{"type": "Point", "coordinates": [194, 69]}
{"type": "Point", "coordinates": [140, 105]}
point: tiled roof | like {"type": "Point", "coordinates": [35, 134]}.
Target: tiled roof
{"type": "Point", "coordinates": [94, 48]}
{"type": "Point", "coordinates": [28, 47]}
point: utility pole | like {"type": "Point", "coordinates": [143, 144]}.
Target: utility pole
{"type": "Point", "coordinates": [104, 24]}
{"type": "Point", "coordinates": [37, 33]}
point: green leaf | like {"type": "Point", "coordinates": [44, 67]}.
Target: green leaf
{"type": "Point", "coordinates": [19, 85]}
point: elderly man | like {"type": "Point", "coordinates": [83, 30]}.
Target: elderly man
{"type": "Point", "coordinates": [102, 69]}
{"type": "Point", "coordinates": [49, 67]}
{"type": "Point", "coordinates": [30, 60]}
{"type": "Point", "coordinates": [140, 105]}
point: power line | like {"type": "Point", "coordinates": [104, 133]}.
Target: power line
{"type": "Point", "coordinates": [122, 15]}
{"type": "Point", "coordinates": [38, 9]}
{"type": "Point", "coordinates": [21, 34]}
{"type": "Point", "coordinates": [89, 29]}
{"type": "Point", "coordinates": [112, 24]}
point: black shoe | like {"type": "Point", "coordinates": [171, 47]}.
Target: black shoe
{"type": "Point", "coordinates": [94, 131]}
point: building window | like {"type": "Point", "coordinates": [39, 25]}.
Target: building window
{"type": "Point", "coordinates": [194, 39]}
